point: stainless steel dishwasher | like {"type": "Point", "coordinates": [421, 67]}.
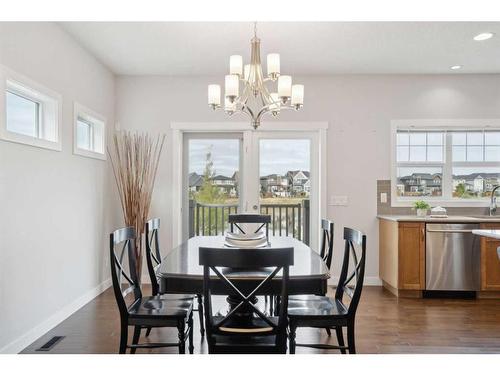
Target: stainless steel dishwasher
{"type": "Point", "coordinates": [452, 257]}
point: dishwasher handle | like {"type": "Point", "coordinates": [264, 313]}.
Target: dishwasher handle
{"type": "Point", "coordinates": [449, 230]}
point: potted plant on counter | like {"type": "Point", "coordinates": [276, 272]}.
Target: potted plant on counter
{"type": "Point", "coordinates": [421, 207]}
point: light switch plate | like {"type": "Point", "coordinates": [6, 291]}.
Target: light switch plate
{"type": "Point", "coordinates": [338, 200]}
{"type": "Point", "coordinates": [383, 197]}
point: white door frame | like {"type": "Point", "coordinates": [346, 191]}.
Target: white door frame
{"type": "Point", "coordinates": [317, 128]}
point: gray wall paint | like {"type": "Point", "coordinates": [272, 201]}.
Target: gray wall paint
{"type": "Point", "coordinates": [54, 215]}
{"type": "Point", "coordinates": [359, 109]}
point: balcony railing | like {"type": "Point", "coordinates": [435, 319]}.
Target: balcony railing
{"type": "Point", "coordinates": [286, 219]}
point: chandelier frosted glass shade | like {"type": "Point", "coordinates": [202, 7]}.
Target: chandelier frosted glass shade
{"type": "Point", "coordinates": [259, 94]}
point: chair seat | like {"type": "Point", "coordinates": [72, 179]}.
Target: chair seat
{"type": "Point", "coordinates": [316, 307]}
{"type": "Point", "coordinates": [304, 297]}
{"type": "Point", "coordinates": [175, 297]}
{"type": "Point", "coordinates": [256, 326]}
{"type": "Point", "coordinates": [158, 308]}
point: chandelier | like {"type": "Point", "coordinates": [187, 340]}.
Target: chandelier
{"type": "Point", "coordinates": [256, 97]}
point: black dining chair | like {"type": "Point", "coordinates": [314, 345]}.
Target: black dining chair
{"type": "Point", "coordinates": [235, 220]}
{"type": "Point", "coordinates": [153, 260]}
{"type": "Point", "coordinates": [326, 312]}
{"type": "Point", "coordinates": [326, 253]}
{"type": "Point", "coordinates": [259, 333]}
{"type": "Point", "coordinates": [143, 312]}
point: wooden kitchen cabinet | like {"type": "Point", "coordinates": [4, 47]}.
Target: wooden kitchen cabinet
{"type": "Point", "coordinates": [402, 257]}
{"type": "Point", "coordinates": [490, 264]}
{"type": "Point", "coordinates": [411, 256]}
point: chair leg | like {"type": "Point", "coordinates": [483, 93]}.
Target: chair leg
{"type": "Point", "coordinates": [340, 338]}
{"type": "Point", "coordinates": [328, 331]}
{"type": "Point", "coordinates": [190, 338]}
{"type": "Point", "coordinates": [291, 338]}
{"type": "Point", "coordinates": [123, 338]}
{"type": "Point", "coordinates": [201, 315]}
{"type": "Point", "coordinates": [135, 339]}
{"type": "Point", "coordinates": [182, 337]}
{"type": "Point", "coordinates": [148, 331]}
{"type": "Point", "coordinates": [350, 338]}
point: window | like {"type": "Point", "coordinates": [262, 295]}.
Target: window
{"type": "Point", "coordinates": [89, 133]}
{"type": "Point", "coordinates": [456, 163]}
{"type": "Point", "coordinates": [32, 112]}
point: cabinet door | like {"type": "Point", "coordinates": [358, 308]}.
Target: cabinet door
{"type": "Point", "coordinates": [411, 256]}
{"type": "Point", "coordinates": [490, 264]}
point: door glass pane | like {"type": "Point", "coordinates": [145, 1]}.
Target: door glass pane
{"type": "Point", "coordinates": [213, 184]}
{"type": "Point", "coordinates": [285, 185]}
{"type": "Point", "coordinates": [22, 115]}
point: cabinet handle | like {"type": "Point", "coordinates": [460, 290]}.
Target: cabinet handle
{"type": "Point", "coordinates": [423, 234]}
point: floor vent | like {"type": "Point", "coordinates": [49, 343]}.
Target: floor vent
{"type": "Point", "coordinates": [50, 344]}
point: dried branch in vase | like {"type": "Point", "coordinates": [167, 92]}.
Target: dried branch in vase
{"type": "Point", "coordinates": [135, 159]}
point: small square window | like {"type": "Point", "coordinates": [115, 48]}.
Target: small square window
{"type": "Point", "coordinates": [32, 112]}
{"type": "Point", "coordinates": [89, 133]}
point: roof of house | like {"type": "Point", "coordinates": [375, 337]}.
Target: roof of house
{"type": "Point", "coordinates": [473, 176]}
{"type": "Point", "coordinates": [195, 179]}
{"type": "Point", "coordinates": [293, 173]}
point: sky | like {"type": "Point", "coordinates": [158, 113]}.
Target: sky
{"type": "Point", "coordinates": [276, 155]}
{"type": "Point", "coordinates": [21, 114]}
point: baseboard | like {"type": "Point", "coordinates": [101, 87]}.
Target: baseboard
{"type": "Point", "coordinates": [33, 334]}
{"type": "Point", "coordinates": [369, 280]}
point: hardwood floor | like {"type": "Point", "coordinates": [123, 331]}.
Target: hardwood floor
{"type": "Point", "coordinates": [384, 324]}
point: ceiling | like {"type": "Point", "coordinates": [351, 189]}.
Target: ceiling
{"type": "Point", "coordinates": [308, 48]}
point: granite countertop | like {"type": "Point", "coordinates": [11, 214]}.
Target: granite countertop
{"type": "Point", "coordinates": [449, 219]}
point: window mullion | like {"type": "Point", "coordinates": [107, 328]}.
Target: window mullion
{"type": "Point", "coordinates": [447, 168]}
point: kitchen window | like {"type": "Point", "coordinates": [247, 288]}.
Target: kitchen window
{"type": "Point", "coordinates": [32, 112]}
{"type": "Point", "coordinates": [89, 133]}
{"type": "Point", "coordinates": [455, 164]}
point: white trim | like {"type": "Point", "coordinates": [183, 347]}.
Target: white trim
{"type": "Point", "coordinates": [35, 333]}
{"type": "Point", "coordinates": [7, 74]}
{"type": "Point", "coordinates": [203, 127]}
{"type": "Point", "coordinates": [432, 124]}
{"type": "Point", "coordinates": [178, 128]}
{"type": "Point", "coordinates": [81, 110]}
{"type": "Point", "coordinates": [369, 281]}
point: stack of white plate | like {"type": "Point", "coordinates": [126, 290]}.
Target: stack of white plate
{"type": "Point", "coordinates": [245, 240]}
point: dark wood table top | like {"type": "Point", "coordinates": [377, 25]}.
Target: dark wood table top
{"type": "Point", "coordinates": [182, 261]}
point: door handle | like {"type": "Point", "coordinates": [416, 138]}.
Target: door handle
{"type": "Point", "coordinates": [255, 207]}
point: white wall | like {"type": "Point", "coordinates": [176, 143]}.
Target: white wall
{"type": "Point", "coordinates": [359, 110]}
{"type": "Point", "coordinates": [54, 212]}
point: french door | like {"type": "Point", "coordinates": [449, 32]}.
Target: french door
{"type": "Point", "coordinates": [271, 172]}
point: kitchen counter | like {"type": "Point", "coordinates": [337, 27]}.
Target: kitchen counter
{"type": "Point", "coordinates": [487, 233]}
{"type": "Point", "coordinates": [449, 219]}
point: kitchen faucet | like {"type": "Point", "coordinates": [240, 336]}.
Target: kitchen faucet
{"type": "Point", "coordinates": [493, 202]}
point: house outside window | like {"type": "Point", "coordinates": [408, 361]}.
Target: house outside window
{"type": "Point", "coordinates": [451, 162]}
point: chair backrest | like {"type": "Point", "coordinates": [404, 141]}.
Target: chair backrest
{"type": "Point", "coordinates": [355, 249]}
{"type": "Point", "coordinates": [327, 242]}
{"type": "Point", "coordinates": [274, 260]}
{"type": "Point", "coordinates": [123, 267]}
{"type": "Point", "coordinates": [235, 219]}
{"type": "Point", "coordinates": [153, 254]}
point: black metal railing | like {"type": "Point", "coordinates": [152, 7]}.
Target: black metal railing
{"type": "Point", "coordinates": [286, 219]}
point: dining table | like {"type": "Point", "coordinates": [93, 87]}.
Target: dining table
{"type": "Point", "coordinates": [180, 270]}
